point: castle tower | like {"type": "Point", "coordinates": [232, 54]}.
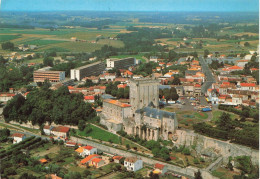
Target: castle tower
{"type": "Point", "coordinates": [143, 92]}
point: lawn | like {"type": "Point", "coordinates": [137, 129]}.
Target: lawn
{"type": "Point", "coordinates": [40, 42]}
{"type": "Point", "coordinates": [139, 57]}
{"type": "Point", "coordinates": [224, 173]}
{"type": "Point", "coordinates": [73, 46]}
{"type": "Point", "coordinates": [201, 115]}
{"type": "Point", "coordinates": [4, 38]}
{"type": "Point", "coordinates": [37, 60]}
{"type": "Point", "coordinates": [36, 131]}
{"type": "Point", "coordinates": [218, 113]}
{"type": "Point", "coordinates": [100, 134]}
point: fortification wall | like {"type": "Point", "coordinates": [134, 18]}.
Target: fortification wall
{"type": "Point", "coordinates": [223, 148]}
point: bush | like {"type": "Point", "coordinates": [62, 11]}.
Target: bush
{"type": "Point", "coordinates": [196, 161]}
{"type": "Point", "coordinates": [186, 151]}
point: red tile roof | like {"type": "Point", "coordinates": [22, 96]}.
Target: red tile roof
{"type": "Point", "coordinates": [159, 166]}
{"type": "Point", "coordinates": [247, 84]}
{"type": "Point", "coordinates": [88, 158]}
{"type": "Point", "coordinates": [197, 85]}
{"type": "Point", "coordinates": [117, 157]}
{"type": "Point", "coordinates": [88, 147]}
{"type": "Point", "coordinates": [46, 127]}
{"type": "Point", "coordinates": [96, 160]}
{"type": "Point", "coordinates": [115, 102]}
{"type": "Point", "coordinates": [236, 68]}
{"type": "Point", "coordinates": [18, 135]}
{"type": "Point", "coordinates": [89, 97]}
{"type": "Point", "coordinates": [61, 129]}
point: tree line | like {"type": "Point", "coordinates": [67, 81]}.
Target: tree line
{"type": "Point", "coordinates": [45, 105]}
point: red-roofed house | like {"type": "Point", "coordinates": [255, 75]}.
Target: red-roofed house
{"type": "Point", "coordinates": [47, 130]}
{"type": "Point", "coordinates": [89, 99]}
{"type": "Point", "coordinates": [72, 144]}
{"type": "Point", "coordinates": [18, 137]}
{"type": "Point", "coordinates": [118, 159]}
{"type": "Point", "coordinates": [121, 86]}
{"type": "Point", "coordinates": [248, 86]}
{"type": "Point", "coordinates": [4, 97]}
{"type": "Point", "coordinates": [60, 131]}
{"type": "Point", "coordinates": [235, 68]}
{"type": "Point", "coordinates": [161, 63]}
{"type": "Point", "coordinates": [159, 169]}
{"type": "Point", "coordinates": [97, 162]}
{"type": "Point", "coordinates": [89, 158]}
{"type": "Point", "coordinates": [86, 150]}
{"type": "Point", "coordinates": [254, 69]}
{"type": "Point", "coordinates": [127, 74]}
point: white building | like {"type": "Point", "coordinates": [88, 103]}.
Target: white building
{"type": "Point", "coordinates": [86, 151]}
{"type": "Point", "coordinates": [123, 63]}
{"type": "Point", "coordinates": [133, 164]}
{"type": "Point", "coordinates": [154, 59]}
{"type": "Point", "coordinates": [47, 130]}
{"type": "Point", "coordinates": [248, 86]}
{"type": "Point", "coordinates": [18, 137]}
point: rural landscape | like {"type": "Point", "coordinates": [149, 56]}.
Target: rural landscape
{"type": "Point", "coordinates": [128, 94]}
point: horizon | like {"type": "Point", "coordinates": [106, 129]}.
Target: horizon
{"type": "Point", "coordinates": [131, 5]}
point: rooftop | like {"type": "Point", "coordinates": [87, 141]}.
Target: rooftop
{"type": "Point", "coordinates": [115, 102]}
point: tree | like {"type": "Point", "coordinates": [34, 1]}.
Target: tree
{"type": "Point", "coordinates": [206, 53]}
{"type": "Point", "coordinates": [7, 46]}
{"type": "Point", "coordinates": [48, 61]}
{"type": "Point", "coordinates": [81, 125]}
{"type": "Point", "coordinates": [127, 146]}
{"type": "Point", "coordinates": [176, 81]}
{"type": "Point", "coordinates": [225, 122]}
{"type": "Point", "coordinates": [247, 44]}
{"type": "Point", "coordinates": [86, 173]}
{"type": "Point", "coordinates": [73, 175]}
{"type": "Point", "coordinates": [120, 93]}
{"type": "Point", "coordinates": [198, 175]}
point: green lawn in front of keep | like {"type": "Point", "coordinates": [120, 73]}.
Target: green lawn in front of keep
{"type": "Point", "coordinates": [218, 113]}
{"type": "Point", "coordinates": [99, 134]}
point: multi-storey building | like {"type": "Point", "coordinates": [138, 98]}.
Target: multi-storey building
{"type": "Point", "coordinates": [45, 74]}
{"type": "Point", "coordinates": [93, 69]}
{"type": "Point", "coordinates": [123, 63]}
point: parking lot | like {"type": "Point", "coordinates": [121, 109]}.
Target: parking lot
{"type": "Point", "coordinates": [187, 104]}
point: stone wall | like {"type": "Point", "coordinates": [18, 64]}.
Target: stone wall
{"type": "Point", "coordinates": [223, 148]}
{"type": "Point", "coordinates": [188, 171]}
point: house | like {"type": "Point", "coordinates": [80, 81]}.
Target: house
{"type": "Point", "coordinates": [86, 150]}
{"type": "Point", "coordinates": [122, 86]}
{"type": "Point", "coordinates": [43, 160]}
{"type": "Point", "coordinates": [118, 159]}
{"type": "Point", "coordinates": [197, 90]}
{"type": "Point", "coordinates": [168, 75]}
{"type": "Point", "coordinates": [248, 86]}
{"type": "Point", "coordinates": [60, 131]}
{"type": "Point", "coordinates": [133, 164]}
{"type": "Point", "coordinates": [161, 64]}
{"type": "Point", "coordinates": [4, 97]}
{"type": "Point", "coordinates": [52, 176]}
{"type": "Point", "coordinates": [89, 158]}
{"type": "Point", "coordinates": [154, 59]}
{"type": "Point", "coordinates": [72, 144]}
{"type": "Point", "coordinates": [18, 137]}
{"type": "Point", "coordinates": [89, 99]}
{"type": "Point", "coordinates": [175, 72]}
{"type": "Point", "coordinates": [237, 99]}
{"type": "Point", "coordinates": [159, 169]}
{"type": "Point", "coordinates": [97, 162]}
{"type": "Point", "coordinates": [158, 68]}
{"type": "Point", "coordinates": [47, 130]}
{"type": "Point", "coordinates": [241, 63]}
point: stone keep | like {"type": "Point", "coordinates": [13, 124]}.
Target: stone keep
{"type": "Point", "coordinates": [143, 92]}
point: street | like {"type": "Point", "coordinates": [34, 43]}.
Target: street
{"type": "Point", "coordinates": [208, 74]}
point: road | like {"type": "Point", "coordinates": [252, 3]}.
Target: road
{"type": "Point", "coordinates": [208, 74]}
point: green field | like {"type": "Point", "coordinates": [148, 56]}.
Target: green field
{"type": "Point", "coordinates": [40, 42]}
{"type": "Point", "coordinates": [99, 134]}
{"type": "Point", "coordinates": [4, 38]}
{"type": "Point", "coordinates": [139, 57]}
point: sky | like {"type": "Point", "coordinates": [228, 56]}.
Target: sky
{"type": "Point", "coordinates": [131, 5]}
